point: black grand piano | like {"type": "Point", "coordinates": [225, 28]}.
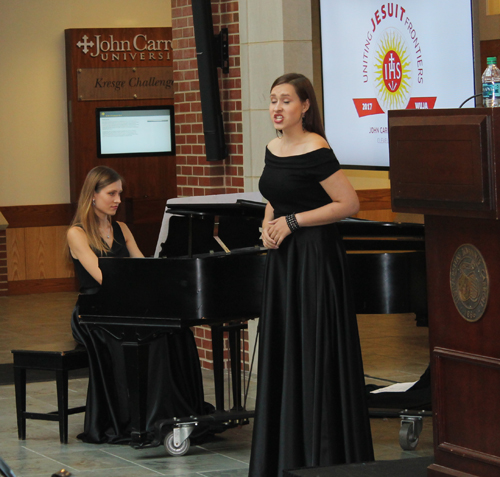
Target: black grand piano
{"type": "Point", "coordinates": [387, 267]}
{"type": "Point", "coordinates": [210, 271]}
{"type": "Point", "coordinates": [197, 280]}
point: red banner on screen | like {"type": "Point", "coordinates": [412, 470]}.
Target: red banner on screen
{"type": "Point", "coordinates": [421, 103]}
{"type": "Point", "coordinates": [367, 107]}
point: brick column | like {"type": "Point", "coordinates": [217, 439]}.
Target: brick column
{"type": "Point", "coordinates": [196, 176]}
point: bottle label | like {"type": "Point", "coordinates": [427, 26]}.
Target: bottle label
{"type": "Point", "coordinates": [491, 91]}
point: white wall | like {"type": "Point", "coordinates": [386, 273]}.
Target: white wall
{"type": "Point", "coordinates": [34, 165]}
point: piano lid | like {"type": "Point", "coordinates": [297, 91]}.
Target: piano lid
{"type": "Point", "coordinates": [240, 208]}
{"type": "Point", "coordinates": [240, 218]}
{"type": "Point", "coordinates": [210, 204]}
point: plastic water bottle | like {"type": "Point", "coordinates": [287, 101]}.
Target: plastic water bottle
{"type": "Point", "coordinates": [491, 84]}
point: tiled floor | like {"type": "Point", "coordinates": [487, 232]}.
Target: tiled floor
{"type": "Point", "coordinates": [394, 349]}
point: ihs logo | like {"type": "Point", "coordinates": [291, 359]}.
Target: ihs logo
{"type": "Point", "coordinates": [392, 67]}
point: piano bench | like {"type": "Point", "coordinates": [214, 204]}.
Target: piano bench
{"type": "Point", "coordinates": [59, 361]}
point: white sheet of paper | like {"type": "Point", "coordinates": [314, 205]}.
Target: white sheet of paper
{"type": "Point", "coordinates": [394, 388]}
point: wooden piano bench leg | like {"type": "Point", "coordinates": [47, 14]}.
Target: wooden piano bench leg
{"type": "Point", "coordinates": [58, 361]}
{"type": "Point", "coordinates": [20, 386]}
{"type": "Point", "coordinates": [62, 404]}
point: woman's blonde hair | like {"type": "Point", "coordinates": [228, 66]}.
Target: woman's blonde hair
{"type": "Point", "coordinates": [85, 216]}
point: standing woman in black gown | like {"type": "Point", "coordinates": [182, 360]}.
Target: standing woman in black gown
{"type": "Point", "coordinates": [175, 386]}
{"type": "Point", "coordinates": [311, 408]}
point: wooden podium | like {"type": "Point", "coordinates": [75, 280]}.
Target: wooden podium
{"type": "Point", "coordinates": [446, 165]}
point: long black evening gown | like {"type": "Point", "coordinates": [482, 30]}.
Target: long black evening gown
{"type": "Point", "coordinates": [175, 386]}
{"type": "Point", "coordinates": [311, 409]}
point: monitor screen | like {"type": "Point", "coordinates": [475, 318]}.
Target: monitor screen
{"type": "Point", "coordinates": [135, 131]}
{"type": "Point", "coordinates": [378, 56]}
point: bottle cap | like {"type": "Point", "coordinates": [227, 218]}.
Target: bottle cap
{"type": "Point", "coordinates": [491, 60]}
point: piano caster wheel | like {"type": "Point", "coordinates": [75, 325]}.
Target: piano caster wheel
{"type": "Point", "coordinates": [176, 450]}
{"type": "Point", "coordinates": [409, 432]}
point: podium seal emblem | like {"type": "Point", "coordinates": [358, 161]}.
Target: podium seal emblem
{"type": "Point", "coordinates": [469, 282]}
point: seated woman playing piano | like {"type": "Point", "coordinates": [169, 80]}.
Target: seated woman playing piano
{"type": "Point", "coordinates": [175, 383]}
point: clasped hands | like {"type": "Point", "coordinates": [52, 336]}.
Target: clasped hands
{"type": "Point", "coordinates": [275, 232]}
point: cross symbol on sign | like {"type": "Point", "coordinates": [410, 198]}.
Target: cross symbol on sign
{"type": "Point", "coordinates": [85, 44]}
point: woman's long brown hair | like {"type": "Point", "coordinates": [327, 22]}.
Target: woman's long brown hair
{"type": "Point", "coordinates": [85, 216]}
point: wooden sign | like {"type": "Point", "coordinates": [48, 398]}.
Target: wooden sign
{"type": "Point", "coordinates": [114, 47]}
{"type": "Point", "coordinates": [121, 63]}
{"type": "Point", "coordinates": [125, 83]}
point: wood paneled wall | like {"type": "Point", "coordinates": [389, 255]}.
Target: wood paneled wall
{"type": "Point", "coordinates": [35, 249]}
{"type": "Point", "coordinates": [37, 253]}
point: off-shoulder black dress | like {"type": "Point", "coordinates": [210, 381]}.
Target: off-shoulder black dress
{"type": "Point", "coordinates": [311, 409]}
{"type": "Point", "coordinates": [175, 385]}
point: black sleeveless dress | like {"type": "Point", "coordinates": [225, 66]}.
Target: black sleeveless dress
{"type": "Point", "coordinates": [311, 409]}
{"type": "Point", "coordinates": [175, 385]}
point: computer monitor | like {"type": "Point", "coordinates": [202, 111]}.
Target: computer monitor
{"type": "Point", "coordinates": [135, 131]}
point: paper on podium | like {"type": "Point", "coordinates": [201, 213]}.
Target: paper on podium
{"type": "Point", "coordinates": [394, 388]}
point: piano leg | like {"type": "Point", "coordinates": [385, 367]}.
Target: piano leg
{"type": "Point", "coordinates": [234, 332]}
{"type": "Point", "coordinates": [218, 355]}
{"type": "Point", "coordinates": [136, 360]}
